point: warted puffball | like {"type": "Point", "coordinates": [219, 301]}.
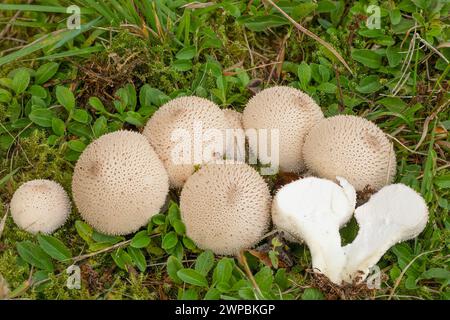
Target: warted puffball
{"type": "Point", "coordinates": [119, 183]}
{"type": "Point", "coordinates": [175, 124]}
{"type": "Point", "coordinates": [40, 206]}
{"type": "Point", "coordinates": [234, 118]}
{"type": "Point", "coordinates": [350, 147]}
{"type": "Point", "coordinates": [290, 111]}
{"type": "Point", "coordinates": [226, 208]}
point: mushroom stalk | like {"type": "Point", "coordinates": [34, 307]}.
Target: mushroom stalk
{"type": "Point", "coordinates": [394, 214]}
{"type": "Point", "coordinates": [314, 209]}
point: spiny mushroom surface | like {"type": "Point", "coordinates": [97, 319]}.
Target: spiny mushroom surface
{"type": "Point", "coordinates": [40, 206]}
{"type": "Point", "coordinates": [184, 113]}
{"type": "Point", "coordinates": [119, 183]}
{"type": "Point", "coordinates": [290, 111]}
{"type": "Point", "coordinates": [226, 208]}
{"type": "Point", "coordinates": [313, 210]}
{"type": "Point", "coordinates": [234, 118]}
{"type": "Point", "coordinates": [350, 147]}
{"type": "Point", "coordinates": [394, 214]}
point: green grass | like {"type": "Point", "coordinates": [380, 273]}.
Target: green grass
{"type": "Point", "coordinates": [67, 87]}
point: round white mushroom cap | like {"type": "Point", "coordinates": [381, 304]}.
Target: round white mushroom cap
{"type": "Point", "coordinates": [350, 147]}
{"type": "Point", "coordinates": [119, 183]}
{"type": "Point", "coordinates": [40, 206]}
{"type": "Point", "coordinates": [175, 128]}
{"type": "Point", "coordinates": [226, 208]}
{"type": "Point", "coordinates": [290, 111]}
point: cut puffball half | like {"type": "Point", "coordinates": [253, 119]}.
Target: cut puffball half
{"type": "Point", "coordinates": [313, 210]}
{"type": "Point", "coordinates": [394, 214]}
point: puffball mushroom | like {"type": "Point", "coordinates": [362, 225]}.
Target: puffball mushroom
{"type": "Point", "coordinates": [225, 207]}
{"type": "Point", "coordinates": [40, 206]}
{"type": "Point", "coordinates": [350, 147]}
{"type": "Point", "coordinates": [178, 116]}
{"type": "Point", "coordinates": [313, 210]}
{"type": "Point", "coordinates": [234, 118]}
{"type": "Point", "coordinates": [119, 183]}
{"type": "Point", "coordinates": [290, 111]}
{"type": "Point", "coordinates": [394, 214]}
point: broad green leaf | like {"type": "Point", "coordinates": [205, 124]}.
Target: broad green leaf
{"type": "Point", "coordinates": [212, 294]}
{"type": "Point", "coordinates": [58, 126]}
{"type": "Point", "coordinates": [122, 258]}
{"type": "Point", "coordinates": [138, 258]}
{"type": "Point", "coordinates": [97, 104]}
{"type": "Point", "coordinates": [369, 84]}
{"type": "Point", "coordinates": [34, 255]}
{"type": "Point", "coordinates": [312, 294]}
{"type": "Point", "coordinates": [182, 65]}
{"type": "Point", "coordinates": [304, 74]}
{"type": "Point", "coordinates": [204, 262]}
{"type": "Point", "coordinates": [186, 53]}
{"type": "Point", "coordinates": [42, 117]}
{"type": "Point", "coordinates": [223, 270]}
{"type": "Point", "coordinates": [84, 230]}
{"type": "Point", "coordinates": [170, 240]}
{"type": "Point", "coordinates": [54, 247]}
{"type": "Point", "coordinates": [367, 57]}
{"type": "Point", "coordinates": [173, 266]}
{"type": "Point", "coordinates": [20, 81]}
{"type": "Point", "coordinates": [76, 145]}
{"type": "Point", "coordinates": [261, 23]}
{"type": "Point", "coordinates": [140, 240]}
{"type": "Point", "coordinates": [436, 273]}
{"type": "Point", "coordinates": [264, 278]}
{"type": "Point", "coordinates": [80, 115]}
{"type": "Point", "coordinates": [5, 95]}
{"type": "Point", "coordinates": [179, 227]}
{"type": "Point", "coordinates": [45, 72]}
{"type": "Point", "coordinates": [193, 277]}
{"type": "Point", "coordinates": [65, 98]}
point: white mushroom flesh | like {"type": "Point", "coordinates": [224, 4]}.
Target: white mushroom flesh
{"type": "Point", "coordinates": [313, 210]}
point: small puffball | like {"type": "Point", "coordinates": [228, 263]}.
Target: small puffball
{"type": "Point", "coordinates": [40, 206]}
{"type": "Point", "coordinates": [353, 148]}
{"type": "Point", "coordinates": [225, 207]}
{"type": "Point", "coordinates": [119, 183]}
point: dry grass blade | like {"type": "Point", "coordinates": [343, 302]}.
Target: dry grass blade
{"type": "Point", "coordinates": [312, 35]}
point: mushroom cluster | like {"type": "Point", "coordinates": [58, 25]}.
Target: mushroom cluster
{"type": "Point", "coordinates": [122, 179]}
